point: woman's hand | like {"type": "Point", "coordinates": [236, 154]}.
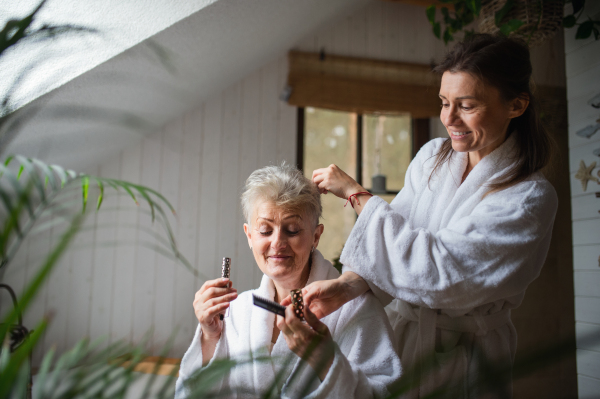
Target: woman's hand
{"type": "Point", "coordinates": [312, 342]}
{"type": "Point", "coordinates": [326, 296]}
{"type": "Point", "coordinates": [211, 301]}
{"type": "Point", "coordinates": [333, 179]}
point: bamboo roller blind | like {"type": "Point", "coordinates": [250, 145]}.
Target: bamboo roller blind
{"type": "Point", "coordinates": [362, 85]}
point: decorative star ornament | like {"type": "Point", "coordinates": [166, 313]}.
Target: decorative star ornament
{"type": "Point", "coordinates": [584, 174]}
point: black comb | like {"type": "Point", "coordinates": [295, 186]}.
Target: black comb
{"type": "Point", "coordinates": [268, 305]}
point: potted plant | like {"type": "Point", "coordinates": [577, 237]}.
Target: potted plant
{"type": "Point", "coordinates": [531, 20]}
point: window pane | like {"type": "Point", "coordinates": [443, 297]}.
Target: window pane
{"type": "Point", "coordinates": [330, 137]}
{"type": "Point", "coordinates": [387, 148]}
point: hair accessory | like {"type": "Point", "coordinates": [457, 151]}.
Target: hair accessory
{"type": "Point", "coordinates": [298, 303]}
{"type": "Point", "coordinates": [225, 273]}
{"type": "Point", "coordinates": [356, 198]}
{"type": "Point", "coordinates": [226, 268]}
{"type": "Point", "coordinates": [268, 305]}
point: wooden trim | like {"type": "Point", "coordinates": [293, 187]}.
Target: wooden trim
{"type": "Point", "coordinates": [420, 127]}
{"type": "Point", "coordinates": [359, 149]}
{"type": "Point", "coordinates": [422, 3]}
{"type": "Point", "coordinates": [300, 138]}
{"type": "Point", "coordinates": [361, 85]}
{"type": "Point", "coordinates": [149, 365]}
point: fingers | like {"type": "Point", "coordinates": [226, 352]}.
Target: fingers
{"type": "Point", "coordinates": [219, 282]}
{"type": "Point", "coordinates": [290, 323]}
{"type": "Point", "coordinates": [310, 292]}
{"type": "Point", "coordinates": [221, 299]}
{"type": "Point", "coordinates": [314, 322]}
{"type": "Point", "coordinates": [213, 298]}
{"type": "Point", "coordinates": [287, 301]}
{"type": "Point", "coordinates": [210, 313]}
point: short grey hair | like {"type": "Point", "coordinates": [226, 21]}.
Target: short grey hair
{"type": "Point", "coordinates": [284, 186]}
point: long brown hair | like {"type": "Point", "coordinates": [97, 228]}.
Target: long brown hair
{"type": "Point", "coordinates": [504, 64]}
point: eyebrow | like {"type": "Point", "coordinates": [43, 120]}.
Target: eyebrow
{"type": "Point", "coordinates": [461, 98]}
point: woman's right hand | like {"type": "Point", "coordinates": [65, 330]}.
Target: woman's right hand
{"type": "Point", "coordinates": [333, 179]}
{"type": "Point", "coordinates": [212, 300]}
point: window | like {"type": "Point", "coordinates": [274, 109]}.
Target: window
{"type": "Point", "coordinates": [369, 148]}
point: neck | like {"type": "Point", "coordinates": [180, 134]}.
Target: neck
{"type": "Point", "coordinates": [283, 288]}
{"type": "Point", "coordinates": [476, 156]}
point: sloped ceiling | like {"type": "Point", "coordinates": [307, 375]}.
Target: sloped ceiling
{"type": "Point", "coordinates": [112, 106]}
{"type": "Point", "coordinates": [118, 25]}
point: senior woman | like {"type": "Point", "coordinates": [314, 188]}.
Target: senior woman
{"type": "Point", "coordinates": [354, 355]}
{"type": "Point", "coordinates": [470, 230]}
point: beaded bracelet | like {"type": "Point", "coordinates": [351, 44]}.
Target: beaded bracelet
{"type": "Point", "coordinates": [356, 198]}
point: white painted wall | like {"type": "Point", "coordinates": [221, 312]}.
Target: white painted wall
{"type": "Point", "coordinates": [583, 82]}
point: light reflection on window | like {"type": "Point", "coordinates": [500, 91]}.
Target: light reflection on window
{"type": "Point", "coordinates": [331, 137]}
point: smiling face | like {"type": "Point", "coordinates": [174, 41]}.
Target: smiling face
{"type": "Point", "coordinates": [281, 242]}
{"type": "Point", "coordinates": [475, 114]}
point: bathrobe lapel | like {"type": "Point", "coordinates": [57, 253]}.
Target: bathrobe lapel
{"type": "Point", "coordinates": [263, 372]}
{"type": "Point", "coordinates": [260, 338]}
{"type": "Point", "coordinates": [462, 198]}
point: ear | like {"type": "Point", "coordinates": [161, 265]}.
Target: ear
{"type": "Point", "coordinates": [248, 233]}
{"type": "Point", "coordinates": [317, 235]}
{"type": "Point", "coordinates": [518, 106]}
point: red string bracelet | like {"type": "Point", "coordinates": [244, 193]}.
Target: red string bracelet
{"type": "Point", "coordinates": [356, 198]}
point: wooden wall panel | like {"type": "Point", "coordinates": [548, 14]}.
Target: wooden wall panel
{"type": "Point", "coordinates": [187, 228]}
{"type": "Point", "coordinates": [164, 284]}
{"type": "Point", "coordinates": [588, 363]}
{"type": "Point", "coordinates": [210, 184]}
{"type": "Point", "coordinates": [126, 250]}
{"type": "Point", "coordinates": [249, 161]}
{"type": "Point", "coordinates": [104, 259]}
{"type": "Point", "coordinates": [144, 270]}
{"type": "Point", "coordinates": [586, 232]}
{"type": "Point", "coordinates": [586, 206]}
{"type": "Point", "coordinates": [586, 257]}
{"type": "Point", "coordinates": [80, 285]}
{"type": "Point", "coordinates": [587, 283]}
{"type": "Point", "coordinates": [57, 296]}
{"type": "Point", "coordinates": [229, 229]}
{"type": "Point", "coordinates": [585, 334]}
{"type": "Point", "coordinates": [588, 387]}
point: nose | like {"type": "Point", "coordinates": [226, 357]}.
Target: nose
{"type": "Point", "coordinates": [449, 116]}
{"type": "Point", "coordinates": [278, 240]}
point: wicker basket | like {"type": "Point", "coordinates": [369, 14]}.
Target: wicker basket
{"type": "Point", "coordinates": [542, 18]}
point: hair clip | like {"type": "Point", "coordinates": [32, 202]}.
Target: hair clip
{"type": "Point", "coordinates": [225, 273]}
{"type": "Point", "coordinates": [298, 303]}
{"type": "Point", "coordinates": [226, 268]}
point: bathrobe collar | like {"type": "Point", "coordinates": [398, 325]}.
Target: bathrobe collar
{"type": "Point", "coordinates": [260, 337]}
{"type": "Point", "coordinates": [489, 168]}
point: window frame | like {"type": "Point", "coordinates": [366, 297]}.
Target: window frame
{"type": "Point", "coordinates": [420, 136]}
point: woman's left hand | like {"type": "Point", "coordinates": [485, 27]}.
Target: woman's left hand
{"type": "Point", "coordinates": [315, 345]}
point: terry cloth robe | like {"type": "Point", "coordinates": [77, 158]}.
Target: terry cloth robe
{"type": "Point", "coordinates": [456, 263]}
{"type": "Point", "coordinates": [364, 362]}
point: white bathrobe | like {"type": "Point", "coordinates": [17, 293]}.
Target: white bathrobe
{"type": "Point", "coordinates": [364, 362]}
{"type": "Point", "coordinates": [456, 262]}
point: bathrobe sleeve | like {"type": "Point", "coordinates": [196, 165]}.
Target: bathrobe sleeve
{"type": "Point", "coordinates": [365, 361]}
{"type": "Point", "coordinates": [192, 363]}
{"type": "Point", "coordinates": [494, 252]}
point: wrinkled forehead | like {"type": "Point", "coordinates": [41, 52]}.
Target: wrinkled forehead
{"type": "Point", "coordinates": [269, 212]}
